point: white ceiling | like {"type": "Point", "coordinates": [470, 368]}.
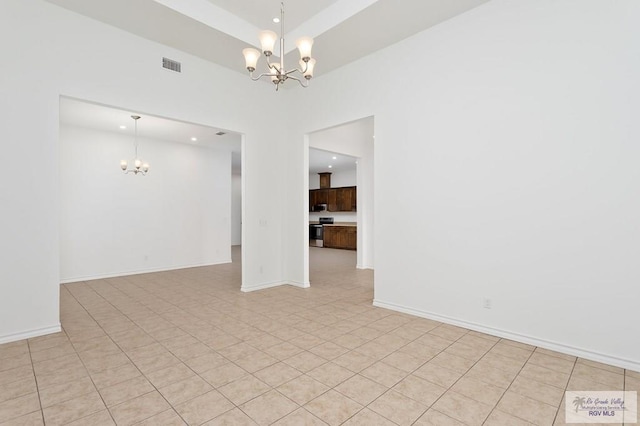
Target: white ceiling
{"type": "Point", "coordinates": [320, 160]}
{"type": "Point", "coordinates": [74, 112]}
{"type": "Point", "coordinates": [218, 30]}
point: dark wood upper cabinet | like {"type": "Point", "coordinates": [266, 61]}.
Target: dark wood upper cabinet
{"type": "Point", "coordinates": [337, 199]}
{"type": "Point", "coordinates": [325, 180]}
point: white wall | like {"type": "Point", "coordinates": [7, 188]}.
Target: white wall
{"type": "Point", "coordinates": [55, 52]}
{"type": "Point", "coordinates": [338, 178]}
{"type": "Point", "coordinates": [236, 209]}
{"type": "Point", "coordinates": [115, 224]}
{"type": "Point", "coordinates": [509, 148]}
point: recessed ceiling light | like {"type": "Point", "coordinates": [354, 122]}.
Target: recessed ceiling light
{"type": "Point", "coordinates": [334, 157]}
{"type": "Point", "coordinates": [194, 139]}
{"type": "Point", "coordinates": [276, 20]}
{"type": "Point", "coordinates": [330, 166]}
{"type": "Point", "coordinates": [123, 127]}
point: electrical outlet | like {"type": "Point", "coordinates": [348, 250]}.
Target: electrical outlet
{"type": "Point", "coordinates": [487, 303]}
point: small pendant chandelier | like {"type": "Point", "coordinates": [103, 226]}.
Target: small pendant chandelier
{"type": "Point", "coordinates": [277, 72]}
{"type": "Point", "coordinates": [139, 166]}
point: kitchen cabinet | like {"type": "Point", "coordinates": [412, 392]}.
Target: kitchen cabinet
{"type": "Point", "coordinates": [342, 199]}
{"type": "Point", "coordinates": [340, 237]}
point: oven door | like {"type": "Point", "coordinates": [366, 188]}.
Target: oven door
{"type": "Point", "coordinates": [315, 232]}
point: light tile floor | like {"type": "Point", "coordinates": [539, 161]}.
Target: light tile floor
{"type": "Point", "coordinates": [187, 347]}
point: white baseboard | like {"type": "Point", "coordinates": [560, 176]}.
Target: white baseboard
{"type": "Point", "coordinates": [30, 333]}
{"type": "Point", "coordinates": [299, 284]}
{"type": "Point", "coordinates": [546, 344]}
{"type": "Point", "coordinates": [137, 272]}
{"type": "Point", "coordinates": [263, 286]}
{"type": "Point", "coordinates": [364, 267]}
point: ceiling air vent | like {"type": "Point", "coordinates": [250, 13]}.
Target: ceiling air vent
{"type": "Point", "coordinates": [220, 133]}
{"type": "Point", "coordinates": [171, 65]}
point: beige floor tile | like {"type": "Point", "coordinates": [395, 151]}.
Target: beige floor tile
{"type": "Point", "coordinates": [156, 362]}
{"type": "Point", "coordinates": [435, 418]}
{"type": "Point", "coordinates": [511, 351]}
{"type": "Point", "coordinates": [403, 361]}
{"type": "Point", "coordinates": [114, 376]}
{"type": "Point", "coordinates": [31, 419]}
{"type": "Point", "coordinates": [492, 376]}
{"type": "Point", "coordinates": [449, 332]}
{"type": "Point", "coordinates": [15, 361]}
{"type": "Point", "coordinates": [438, 375]}
{"type": "Point", "coordinates": [610, 368]}
{"type": "Point", "coordinates": [349, 341]}
{"type": "Point", "coordinates": [268, 407]}
{"type": "Point", "coordinates": [57, 364]}
{"type": "Point", "coordinates": [300, 417]}
{"type": "Point", "coordinates": [464, 351]}
{"type": "Point", "coordinates": [101, 418]}
{"type": "Point", "coordinates": [548, 394]}
{"type": "Point", "coordinates": [277, 374]}
{"type": "Point", "coordinates": [138, 409]}
{"type": "Point", "coordinates": [361, 389]}
{"type": "Point", "coordinates": [452, 362]}
{"type": "Point", "coordinates": [284, 350]}
{"type": "Point", "coordinates": [333, 408]}
{"type": "Point", "coordinates": [166, 376]}
{"type": "Point", "coordinates": [155, 321]}
{"type": "Point", "coordinates": [73, 409]}
{"type": "Point", "coordinates": [328, 350]}
{"type": "Point", "coordinates": [367, 417]}
{"type": "Point", "coordinates": [165, 418]}
{"type": "Point", "coordinates": [223, 374]}
{"type": "Point", "coordinates": [551, 362]}
{"type": "Point", "coordinates": [398, 408]}
{"type": "Point", "coordinates": [555, 354]}
{"type": "Point", "coordinates": [205, 362]}
{"type": "Point", "coordinates": [256, 361]}
{"type": "Point", "coordinates": [305, 361]}
{"type": "Point", "coordinates": [420, 390]}
{"type": "Point", "coordinates": [125, 391]}
{"type": "Point", "coordinates": [233, 417]}
{"type": "Point", "coordinates": [60, 393]}
{"type": "Point", "coordinates": [354, 361]}
{"type": "Point", "coordinates": [602, 376]}
{"type": "Point", "coordinates": [16, 389]}
{"type": "Point", "coordinates": [384, 374]}
{"type": "Point", "coordinates": [16, 374]}
{"type": "Point", "coordinates": [478, 391]}
{"type": "Point", "coordinates": [330, 374]}
{"type": "Point", "coordinates": [499, 362]}
{"type": "Point", "coordinates": [19, 407]}
{"type": "Point", "coordinates": [463, 409]}
{"type": "Point", "coordinates": [545, 375]}
{"type": "Point", "coordinates": [244, 389]}
{"type": "Point", "coordinates": [528, 409]}
{"type": "Point", "coordinates": [500, 418]}
{"type": "Point", "coordinates": [302, 389]}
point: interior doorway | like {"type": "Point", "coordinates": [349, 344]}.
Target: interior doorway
{"type": "Point", "coordinates": [114, 223]}
{"type": "Point", "coordinates": [342, 157]}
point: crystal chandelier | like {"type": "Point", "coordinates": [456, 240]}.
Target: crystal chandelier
{"type": "Point", "coordinates": [139, 166]}
{"type": "Point", "coordinates": [277, 71]}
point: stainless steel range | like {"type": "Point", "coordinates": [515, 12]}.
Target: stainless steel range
{"type": "Point", "coordinates": [316, 231]}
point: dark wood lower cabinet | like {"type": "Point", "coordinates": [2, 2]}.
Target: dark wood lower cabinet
{"type": "Point", "coordinates": [340, 237]}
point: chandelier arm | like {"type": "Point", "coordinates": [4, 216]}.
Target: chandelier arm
{"type": "Point", "coordinates": [261, 75]}
{"type": "Point", "coordinates": [300, 81]}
